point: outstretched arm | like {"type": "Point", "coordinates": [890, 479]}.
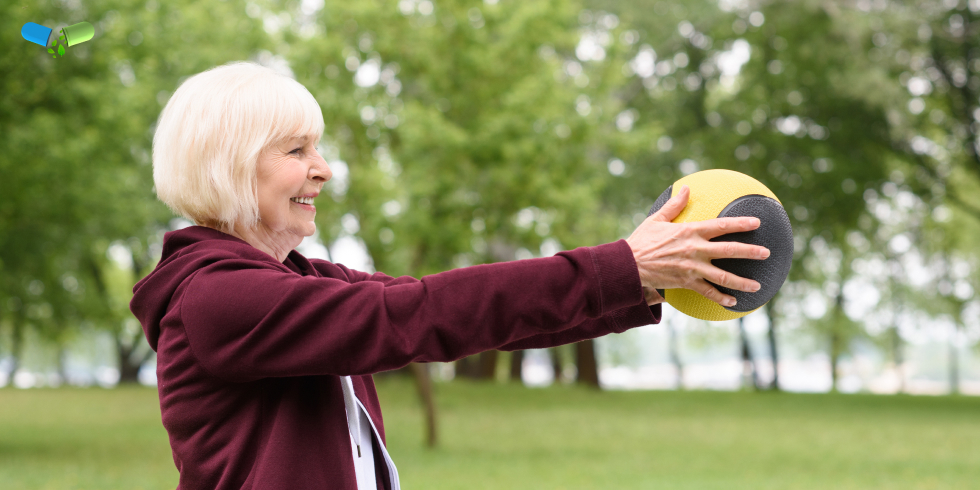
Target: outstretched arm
{"type": "Point", "coordinates": [248, 320]}
{"type": "Point", "coordinates": [618, 321]}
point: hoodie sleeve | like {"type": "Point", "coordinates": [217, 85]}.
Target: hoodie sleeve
{"type": "Point", "coordinates": [617, 321]}
{"type": "Point", "coordinates": [246, 320]}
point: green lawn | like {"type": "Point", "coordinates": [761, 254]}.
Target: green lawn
{"type": "Point", "coordinates": [509, 437]}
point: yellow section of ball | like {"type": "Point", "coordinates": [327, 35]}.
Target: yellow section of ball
{"type": "Point", "coordinates": [711, 192]}
{"type": "Point", "coordinates": [693, 304]}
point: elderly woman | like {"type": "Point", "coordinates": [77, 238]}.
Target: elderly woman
{"type": "Point", "coordinates": [265, 357]}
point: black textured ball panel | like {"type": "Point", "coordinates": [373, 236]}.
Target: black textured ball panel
{"type": "Point", "coordinates": [775, 233]}
{"type": "Point", "coordinates": [659, 203]}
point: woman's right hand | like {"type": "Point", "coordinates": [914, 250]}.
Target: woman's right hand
{"type": "Point", "coordinates": [678, 255]}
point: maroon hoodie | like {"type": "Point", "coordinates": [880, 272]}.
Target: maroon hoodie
{"type": "Point", "coordinates": [250, 349]}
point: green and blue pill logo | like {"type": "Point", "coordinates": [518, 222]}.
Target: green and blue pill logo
{"type": "Point", "coordinates": [70, 36]}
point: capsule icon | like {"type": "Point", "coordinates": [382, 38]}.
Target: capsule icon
{"type": "Point", "coordinates": [70, 36]}
{"type": "Point", "coordinates": [36, 33]}
{"type": "Point", "coordinates": [78, 33]}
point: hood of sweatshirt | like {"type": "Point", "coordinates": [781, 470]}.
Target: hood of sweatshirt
{"type": "Point", "coordinates": [186, 251]}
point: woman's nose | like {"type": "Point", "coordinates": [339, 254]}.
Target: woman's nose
{"type": "Point", "coordinates": [320, 171]}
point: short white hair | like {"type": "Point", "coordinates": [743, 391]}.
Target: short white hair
{"type": "Point", "coordinates": [211, 133]}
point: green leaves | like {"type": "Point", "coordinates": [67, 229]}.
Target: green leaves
{"type": "Point", "coordinates": [70, 125]}
{"type": "Point", "coordinates": [59, 44]}
{"type": "Point", "coordinates": [465, 131]}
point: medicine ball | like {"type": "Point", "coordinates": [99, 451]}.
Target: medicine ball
{"type": "Point", "coordinates": [725, 194]}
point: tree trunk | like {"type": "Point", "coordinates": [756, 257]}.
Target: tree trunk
{"type": "Point", "coordinates": [898, 357]}
{"type": "Point", "coordinates": [588, 370]}
{"type": "Point", "coordinates": [836, 342]}
{"type": "Point", "coordinates": [16, 343]}
{"type": "Point", "coordinates": [129, 362]}
{"type": "Point", "coordinates": [125, 347]}
{"type": "Point", "coordinates": [423, 381]}
{"type": "Point", "coordinates": [516, 365]}
{"type": "Point", "coordinates": [675, 357]}
{"type": "Point", "coordinates": [834, 356]}
{"type": "Point", "coordinates": [468, 367]}
{"type": "Point", "coordinates": [488, 365]}
{"type": "Point", "coordinates": [63, 363]}
{"type": "Point", "coordinates": [556, 364]}
{"type": "Point", "coordinates": [422, 375]}
{"type": "Point", "coordinates": [478, 366]}
{"type": "Point", "coordinates": [954, 363]}
{"type": "Point", "coordinates": [773, 352]}
{"type": "Point", "coordinates": [749, 375]}
{"type": "Point", "coordinates": [128, 371]}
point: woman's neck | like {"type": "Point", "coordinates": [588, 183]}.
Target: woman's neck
{"type": "Point", "coordinates": [277, 245]}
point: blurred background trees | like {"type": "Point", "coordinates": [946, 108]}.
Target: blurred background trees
{"type": "Point", "coordinates": [76, 180]}
{"type": "Point", "coordinates": [467, 132]}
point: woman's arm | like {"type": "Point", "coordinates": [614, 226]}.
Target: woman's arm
{"type": "Point", "coordinates": [248, 320]}
{"type": "Point", "coordinates": [618, 321]}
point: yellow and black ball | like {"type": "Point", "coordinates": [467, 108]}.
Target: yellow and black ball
{"type": "Point", "coordinates": [725, 194]}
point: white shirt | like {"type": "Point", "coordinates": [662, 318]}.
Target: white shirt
{"type": "Point", "coordinates": [364, 464]}
{"type": "Point", "coordinates": [360, 426]}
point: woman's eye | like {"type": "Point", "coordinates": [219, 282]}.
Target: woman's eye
{"type": "Point", "coordinates": [296, 151]}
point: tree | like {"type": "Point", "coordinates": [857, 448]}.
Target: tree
{"type": "Point", "coordinates": [586, 365]}
{"type": "Point", "coordinates": [773, 346]}
{"type": "Point", "coordinates": [516, 365]}
{"type": "Point", "coordinates": [458, 124]}
{"type": "Point", "coordinates": [950, 294]}
{"type": "Point", "coordinates": [675, 355]}
{"type": "Point", "coordinates": [776, 90]}
{"type": "Point", "coordinates": [76, 133]}
{"type": "Point", "coordinates": [750, 376]}
{"type": "Point", "coordinates": [931, 50]}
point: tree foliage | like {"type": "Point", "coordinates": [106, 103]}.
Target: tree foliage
{"type": "Point", "coordinates": [464, 132]}
{"type": "Point", "coordinates": [75, 134]}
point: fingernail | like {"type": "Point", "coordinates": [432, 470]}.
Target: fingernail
{"type": "Point", "coordinates": [765, 253]}
{"type": "Point", "coordinates": [755, 222]}
{"type": "Point", "coordinates": [756, 287]}
{"type": "Point", "coordinates": [730, 302]}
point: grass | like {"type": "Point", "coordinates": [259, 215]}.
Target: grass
{"type": "Point", "coordinates": [83, 438]}
{"type": "Point", "coordinates": [510, 437]}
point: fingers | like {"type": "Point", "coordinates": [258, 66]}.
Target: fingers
{"type": "Point", "coordinates": [713, 294]}
{"type": "Point", "coordinates": [728, 280]}
{"type": "Point", "coordinates": [711, 228]}
{"type": "Point", "coordinates": [735, 250]}
{"type": "Point", "coordinates": [674, 206]}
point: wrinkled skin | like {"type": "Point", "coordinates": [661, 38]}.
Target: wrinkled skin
{"type": "Point", "coordinates": [290, 169]}
{"type": "Point", "coordinates": [678, 255]}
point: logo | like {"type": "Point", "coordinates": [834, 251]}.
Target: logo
{"type": "Point", "coordinates": [70, 36]}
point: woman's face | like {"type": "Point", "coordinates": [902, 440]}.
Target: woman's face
{"type": "Point", "coordinates": [289, 176]}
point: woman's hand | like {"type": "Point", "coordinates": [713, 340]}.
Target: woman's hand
{"type": "Point", "coordinates": [678, 255]}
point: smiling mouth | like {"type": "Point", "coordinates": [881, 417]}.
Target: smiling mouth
{"type": "Point", "coordinates": [302, 200]}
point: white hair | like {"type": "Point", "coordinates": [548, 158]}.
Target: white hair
{"type": "Point", "coordinates": [211, 133]}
